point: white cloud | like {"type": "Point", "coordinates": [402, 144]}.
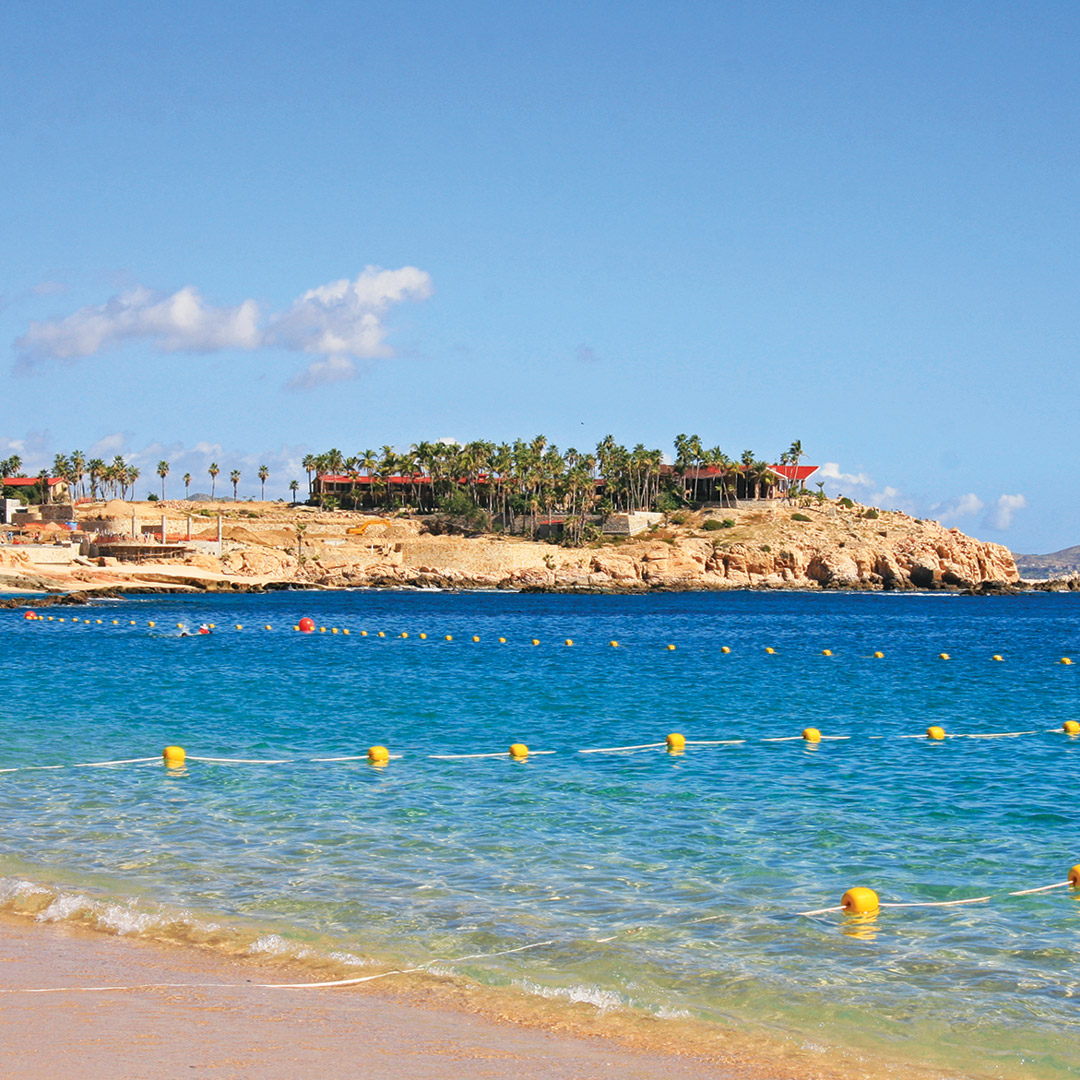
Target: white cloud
{"type": "Point", "coordinates": [831, 471]}
{"type": "Point", "coordinates": [961, 506]}
{"type": "Point", "coordinates": [109, 445]}
{"type": "Point", "coordinates": [339, 323]}
{"type": "Point", "coordinates": [1000, 515]}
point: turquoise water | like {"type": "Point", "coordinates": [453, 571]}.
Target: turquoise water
{"type": "Point", "coordinates": [668, 885]}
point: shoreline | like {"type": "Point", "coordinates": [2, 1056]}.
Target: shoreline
{"type": "Point", "coordinates": [111, 1000]}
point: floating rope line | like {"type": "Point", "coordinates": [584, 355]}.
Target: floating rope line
{"type": "Point", "coordinates": [863, 901]}
{"type": "Point", "coordinates": [675, 744]}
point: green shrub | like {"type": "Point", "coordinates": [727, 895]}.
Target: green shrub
{"type": "Point", "coordinates": [666, 502]}
{"type": "Point", "coordinates": [680, 517]}
{"type": "Point", "coordinates": [872, 514]}
{"type": "Point", "coordinates": [800, 517]}
{"type": "Point", "coordinates": [712, 524]}
{"type": "Point", "coordinates": [845, 501]}
{"type": "Point", "coordinates": [765, 547]}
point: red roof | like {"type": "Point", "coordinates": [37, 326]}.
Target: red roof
{"type": "Point", "coordinates": [29, 481]}
{"type": "Point", "coordinates": [794, 472]}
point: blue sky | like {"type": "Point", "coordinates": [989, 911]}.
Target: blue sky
{"type": "Point", "coordinates": [242, 232]}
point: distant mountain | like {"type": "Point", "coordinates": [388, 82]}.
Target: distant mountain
{"type": "Point", "coordinates": [1056, 564]}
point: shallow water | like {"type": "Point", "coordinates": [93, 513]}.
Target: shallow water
{"type": "Point", "coordinates": [665, 883]}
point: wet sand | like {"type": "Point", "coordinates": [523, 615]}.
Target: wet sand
{"type": "Point", "coordinates": [245, 1031]}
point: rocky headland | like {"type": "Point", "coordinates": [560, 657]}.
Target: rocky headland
{"type": "Point", "coordinates": [775, 545]}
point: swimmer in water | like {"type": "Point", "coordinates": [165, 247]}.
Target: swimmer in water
{"type": "Point", "coordinates": [204, 629]}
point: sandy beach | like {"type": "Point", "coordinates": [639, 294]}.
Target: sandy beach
{"type": "Point", "coordinates": [239, 1030]}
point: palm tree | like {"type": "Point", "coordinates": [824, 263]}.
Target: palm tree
{"type": "Point", "coordinates": [163, 471]}
{"type": "Point", "coordinates": [214, 472]}
{"type": "Point", "coordinates": [308, 465]}
{"type": "Point", "coordinates": [234, 479]}
{"type": "Point", "coordinates": [78, 468]}
{"type": "Point", "coordinates": [95, 467]}
{"type": "Point", "coordinates": [187, 483]}
{"type": "Point", "coordinates": [795, 453]}
{"type": "Point", "coordinates": [264, 472]}
{"type": "Point", "coordinates": [133, 474]}
{"type": "Point", "coordinates": [293, 486]}
{"type": "Point", "coordinates": [14, 466]}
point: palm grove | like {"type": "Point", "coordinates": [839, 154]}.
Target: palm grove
{"type": "Point", "coordinates": [502, 486]}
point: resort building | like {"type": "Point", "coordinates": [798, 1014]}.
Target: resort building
{"type": "Point", "coordinates": [58, 487]}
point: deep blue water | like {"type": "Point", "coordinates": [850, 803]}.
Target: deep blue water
{"type": "Point", "coordinates": [667, 883]}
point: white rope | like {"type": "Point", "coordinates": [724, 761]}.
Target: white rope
{"type": "Point", "coordinates": [123, 761]}
{"type": "Point", "coordinates": [613, 749]}
{"type": "Point", "coordinates": [942, 903]}
{"type": "Point", "coordinates": [501, 753]}
{"type": "Point", "coordinates": [821, 911]}
{"type": "Point", "coordinates": [704, 742]}
{"type": "Point", "coordinates": [81, 764]}
{"type": "Point", "coordinates": [270, 986]}
{"type": "Point", "coordinates": [239, 761]}
{"type": "Point", "coordinates": [1042, 888]}
{"type": "Point", "coordinates": [997, 735]}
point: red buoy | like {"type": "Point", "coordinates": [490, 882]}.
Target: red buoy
{"type": "Point", "coordinates": [307, 626]}
{"type": "Point", "coordinates": [29, 615]}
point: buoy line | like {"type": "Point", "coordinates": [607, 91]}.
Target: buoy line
{"type": "Point", "coordinates": [306, 626]}
{"type": "Point", "coordinates": [675, 744]}
{"type": "Point", "coordinates": [863, 901]}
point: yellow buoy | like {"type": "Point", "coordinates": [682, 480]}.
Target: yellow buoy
{"type": "Point", "coordinates": [770, 650]}
{"type": "Point", "coordinates": [62, 619]}
{"type": "Point", "coordinates": [173, 755]}
{"type": "Point", "coordinates": [333, 629]}
{"type": "Point", "coordinates": [98, 621]}
{"type": "Point", "coordinates": [475, 638]}
{"type": "Point", "coordinates": [997, 656]}
{"type": "Point", "coordinates": [1071, 727]}
{"type": "Point", "coordinates": [239, 627]}
{"type": "Point", "coordinates": [535, 642]}
{"type": "Point", "coordinates": [859, 901]}
{"type": "Point", "coordinates": [1066, 660]}
{"type": "Point", "coordinates": [343, 631]}
{"type": "Point", "coordinates": [826, 652]}
{"type": "Point", "coordinates": [179, 626]}
{"type": "Point", "coordinates": [519, 751]}
{"type": "Point", "coordinates": [132, 623]}
{"type": "Point", "coordinates": [296, 627]}
{"type": "Point", "coordinates": [676, 742]}
{"type": "Point", "coordinates": [213, 626]}
{"type": "Point", "coordinates": [935, 732]}
{"type": "Point", "coordinates": [378, 755]}
{"type": "Point", "coordinates": [322, 629]}
{"type": "Point", "coordinates": [502, 641]}
{"type": "Point", "coordinates": [878, 655]}
{"type": "Point", "coordinates": [811, 734]}
{"type": "Point", "coordinates": [268, 627]}
{"type": "Point", "coordinates": [423, 637]}
{"type": "Point", "coordinates": [148, 624]}
{"type": "Point", "coordinates": [403, 634]}
{"type": "Point", "coordinates": [724, 649]}
{"type": "Point", "coordinates": [569, 642]}
{"type": "Point", "coordinates": [944, 656]}
{"type": "Point", "coordinates": [363, 633]}
{"type": "Point", "coordinates": [614, 644]}
{"type": "Point", "coordinates": [671, 648]}
{"type": "Point", "coordinates": [382, 633]}
{"type": "Point", "coordinates": [1074, 877]}
{"type": "Point", "coordinates": [449, 637]}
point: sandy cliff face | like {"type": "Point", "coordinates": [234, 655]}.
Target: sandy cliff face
{"type": "Point", "coordinates": [834, 548]}
{"type": "Point", "coordinates": [819, 545]}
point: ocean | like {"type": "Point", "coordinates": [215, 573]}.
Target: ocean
{"type": "Point", "coordinates": [656, 887]}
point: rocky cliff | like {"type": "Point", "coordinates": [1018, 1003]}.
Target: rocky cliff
{"type": "Point", "coordinates": [811, 546]}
